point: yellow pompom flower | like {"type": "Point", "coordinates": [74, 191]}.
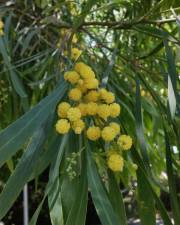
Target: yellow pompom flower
{"type": "Point", "coordinates": [125, 142]}
{"type": "Point", "coordinates": [91, 83]}
{"type": "Point", "coordinates": [73, 114]}
{"type": "Point", "coordinates": [83, 108]}
{"type": "Point", "coordinates": [81, 86]}
{"type": "Point", "coordinates": [62, 126]}
{"type": "Point", "coordinates": [93, 133]}
{"type": "Point", "coordinates": [103, 111]}
{"type": "Point", "coordinates": [62, 109]}
{"type": "Point", "coordinates": [75, 94]}
{"type": "Point", "coordinates": [72, 77]}
{"type": "Point", "coordinates": [115, 109]}
{"type": "Point", "coordinates": [109, 97]}
{"type": "Point", "coordinates": [108, 133]}
{"type": "Point", "coordinates": [92, 96]}
{"type": "Point", "coordinates": [116, 127]}
{"type": "Point", "coordinates": [75, 53]}
{"type": "Point", "coordinates": [78, 126]}
{"type": "Point", "coordinates": [92, 108]}
{"type": "Point", "coordinates": [115, 162]}
{"type": "Point", "coordinates": [84, 70]}
{"type": "Point", "coordinates": [102, 93]}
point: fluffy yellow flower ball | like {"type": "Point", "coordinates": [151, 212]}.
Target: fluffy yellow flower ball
{"type": "Point", "coordinates": [93, 133]}
{"type": "Point", "coordinates": [83, 108]}
{"type": "Point", "coordinates": [84, 70]}
{"type": "Point", "coordinates": [72, 77]}
{"type": "Point", "coordinates": [73, 114]}
{"type": "Point", "coordinates": [116, 127]}
{"type": "Point", "coordinates": [75, 94]}
{"type": "Point", "coordinates": [62, 109]}
{"type": "Point", "coordinates": [91, 83]}
{"type": "Point", "coordinates": [78, 126]}
{"type": "Point", "coordinates": [62, 126]}
{"type": "Point", "coordinates": [92, 108]}
{"type": "Point", "coordinates": [108, 133]}
{"type": "Point", "coordinates": [125, 142]}
{"type": "Point", "coordinates": [92, 96]}
{"type": "Point", "coordinates": [103, 111]}
{"type": "Point", "coordinates": [75, 53]}
{"type": "Point", "coordinates": [102, 92]}
{"type": "Point", "coordinates": [115, 162]}
{"type": "Point", "coordinates": [115, 109]}
{"type": "Point", "coordinates": [81, 86]}
{"type": "Point", "coordinates": [109, 97]}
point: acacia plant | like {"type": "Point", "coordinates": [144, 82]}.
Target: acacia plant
{"type": "Point", "coordinates": [89, 92]}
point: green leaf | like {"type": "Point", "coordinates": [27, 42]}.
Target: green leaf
{"type": "Point", "coordinates": [139, 125]}
{"type": "Point", "coordinates": [46, 157]}
{"type": "Point", "coordinates": [55, 205]}
{"type": "Point", "coordinates": [77, 215]}
{"type": "Point", "coordinates": [17, 83]}
{"type": "Point", "coordinates": [172, 79]}
{"type": "Point", "coordinates": [146, 202]}
{"type": "Point", "coordinates": [155, 32]}
{"type": "Point", "coordinates": [172, 183]}
{"type": "Point", "coordinates": [53, 176]}
{"type": "Point", "coordinates": [22, 172]}
{"type": "Point", "coordinates": [144, 174]}
{"type": "Point", "coordinates": [14, 136]}
{"type": "Point", "coordinates": [98, 192]}
{"type": "Point", "coordinates": [116, 199]}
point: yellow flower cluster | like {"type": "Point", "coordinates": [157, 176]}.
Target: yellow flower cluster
{"type": "Point", "coordinates": [90, 101]}
{"type": "Point", "coordinates": [1, 27]}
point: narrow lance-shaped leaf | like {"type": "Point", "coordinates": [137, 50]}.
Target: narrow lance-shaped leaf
{"type": "Point", "coordinates": [172, 183]}
{"type": "Point", "coordinates": [116, 199]}
{"type": "Point", "coordinates": [139, 125]}
{"type": "Point", "coordinates": [23, 171]}
{"type": "Point", "coordinates": [53, 176]}
{"type": "Point", "coordinates": [99, 195]}
{"type": "Point", "coordinates": [146, 203]}
{"type": "Point", "coordinates": [14, 136]}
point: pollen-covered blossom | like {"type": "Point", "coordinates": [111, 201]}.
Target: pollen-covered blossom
{"type": "Point", "coordinates": [75, 94]}
{"type": "Point", "coordinates": [62, 109]}
{"type": "Point", "coordinates": [71, 76]}
{"type": "Point", "coordinates": [115, 162]}
{"type": "Point", "coordinates": [93, 133]}
{"type": "Point", "coordinates": [92, 96]}
{"type": "Point", "coordinates": [115, 109]}
{"type": "Point", "coordinates": [73, 114]}
{"type": "Point", "coordinates": [116, 127]}
{"type": "Point", "coordinates": [103, 111]}
{"type": "Point", "coordinates": [108, 133]}
{"type": "Point", "coordinates": [107, 96]}
{"type": "Point", "coordinates": [78, 126]}
{"type": "Point", "coordinates": [92, 108]}
{"type": "Point", "coordinates": [62, 126]}
{"type": "Point", "coordinates": [125, 142]}
{"type": "Point", "coordinates": [83, 108]}
{"type": "Point", "coordinates": [91, 83]}
{"type": "Point", "coordinates": [84, 70]}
